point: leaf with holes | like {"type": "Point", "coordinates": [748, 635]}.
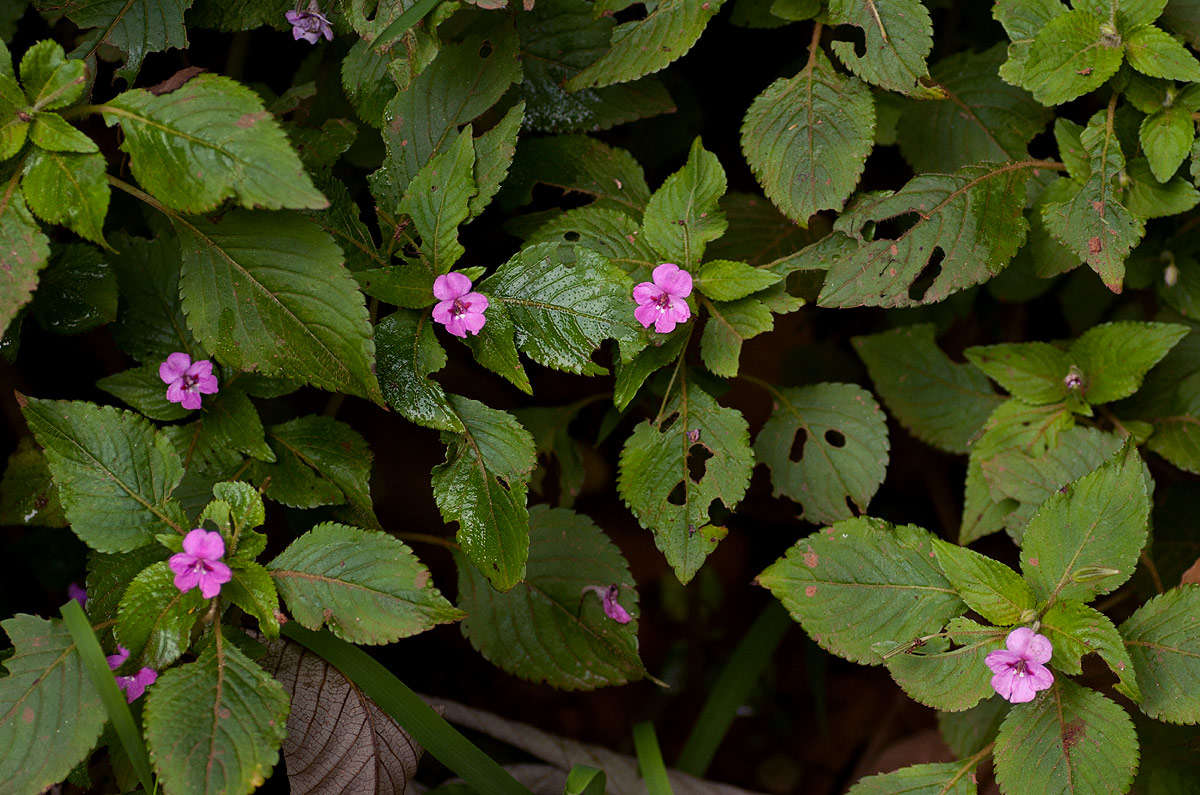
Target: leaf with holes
{"type": "Point", "coordinates": [1085, 541]}
{"type": "Point", "coordinates": [862, 582]}
{"type": "Point", "coordinates": [1076, 630]}
{"type": "Point", "coordinates": [807, 138]}
{"type": "Point", "coordinates": [482, 486]}
{"type": "Point", "coordinates": [135, 27]}
{"type": "Point", "coordinates": [954, 679]}
{"type": "Point", "coordinates": [899, 36]}
{"type": "Point", "coordinates": [361, 749]}
{"type": "Point", "coordinates": [672, 470]}
{"type": "Point", "coordinates": [964, 228]}
{"type": "Point", "coordinates": [683, 216]}
{"type": "Point", "coordinates": [50, 712]}
{"type": "Point", "coordinates": [155, 618]}
{"type": "Point", "coordinates": [549, 628]}
{"type": "Point", "coordinates": [1164, 644]}
{"type": "Point", "coordinates": [268, 293]}
{"type": "Point", "coordinates": [827, 448]}
{"type": "Point", "coordinates": [1068, 739]}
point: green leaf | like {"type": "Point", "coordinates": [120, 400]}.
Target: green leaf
{"type": "Point", "coordinates": [1075, 630]}
{"type": "Point", "coordinates": [150, 323]}
{"type": "Point", "coordinates": [609, 232]}
{"type": "Point", "coordinates": [862, 582]}
{"type": "Point", "coordinates": [52, 133]}
{"type": "Point", "coordinates": [898, 37]}
{"type": "Point", "coordinates": [208, 141]}
{"type": "Point", "coordinates": [937, 399]}
{"type": "Point", "coordinates": [51, 80]}
{"type": "Point", "coordinates": [68, 189]}
{"type": "Point", "coordinates": [494, 151]}
{"type": "Point", "coordinates": [481, 486]}
{"type": "Point", "coordinates": [1068, 739]}
{"type": "Point", "coordinates": [758, 233]}
{"type": "Point", "coordinates": [1162, 641]}
{"type": "Point", "coordinates": [660, 483]}
{"type": "Point", "coordinates": [495, 348]}
{"type": "Point", "coordinates": [14, 124]}
{"type": "Point", "coordinates": [549, 628]}
{"type": "Point", "coordinates": [990, 588]}
{"type": "Point", "coordinates": [437, 199]}
{"type": "Point", "coordinates": [366, 586]}
{"type": "Point", "coordinates": [563, 302]}
{"type": "Point", "coordinates": [267, 293]}
{"type": "Point", "coordinates": [728, 326]}
{"type": "Point", "coordinates": [407, 286]}
{"type": "Point", "coordinates": [967, 732]}
{"type": "Point", "coordinates": [1031, 371]}
{"type": "Point", "coordinates": [141, 388]}
{"type": "Point", "coordinates": [135, 27]}
{"type": "Point", "coordinates": [827, 447]}
{"type": "Point", "coordinates": [78, 291]}
{"type": "Point", "coordinates": [942, 778]}
{"type": "Point", "coordinates": [50, 712]}
{"type": "Point", "coordinates": [1148, 198]}
{"type": "Point", "coordinates": [636, 49]}
{"type": "Point", "coordinates": [28, 496]}
{"type": "Point", "coordinates": [408, 353]}
{"type": "Point", "coordinates": [253, 591]}
{"type": "Point", "coordinates": [807, 138]}
{"type": "Point", "coordinates": [726, 280]}
{"type": "Point", "coordinates": [1153, 52]}
{"type": "Point", "coordinates": [155, 619]}
{"type": "Point", "coordinates": [579, 164]}
{"type": "Point", "coordinates": [214, 726]}
{"type": "Point", "coordinates": [1127, 13]}
{"type": "Point", "coordinates": [949, 679]}
{"type": "Point", "coordinates": [1090, 220]}
{"type": "Point", "coordinates": [982, 117]}
{"type": "Point", "coordinates": [114, 472]}
{"type": "Point", "coordinates": [632, 375]}
{"type": "Point", "coordinates": [26, 251]}
{"type": "Point", "coordinates": [1074, 53]}
{"type": "Point", "coordinates": [1166, 138]}
{"type": "Point", "coordinates": [683, 216]}
{"type": "Point", "coordinates": [972, 217]}
{"type": "Point", "coordinates": [1115, 357]}
{"type": "Point", "coordinates": [1099, 521]}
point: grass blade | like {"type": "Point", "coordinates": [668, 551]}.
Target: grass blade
{"type": "Point", "coordinates": [403, 22]}
{"type": "Point", "coordinates": [650, 760]}
{"type": "Point", "coordinates": [584, 780]}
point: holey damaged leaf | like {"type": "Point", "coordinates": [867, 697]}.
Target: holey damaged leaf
{"type": "Point", "coordinates": [898, 37]}
{"type": "Point", "coordinates": [673, 470]}
{"type": "Point", "coordinates": [957, 230]}
{"type": "Point", "coordinates": [338, 740]}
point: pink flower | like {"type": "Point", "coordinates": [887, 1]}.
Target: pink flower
{"type": "Point", "coordinates": [77, 593]}
{"type": "Point", "coordinates": [458, 309]}
{"type": "Point", "coordinates": [115, 661]}
{"type": "Point", "coordinates": [135, 685]}
{"type": "Point", "coordinates": [200, 563]}
{"type": "Point", "coordinates": [186, 380]}
{"type": "Point", "coordinates": [309, 25]}
{"type": "Point", "coordinates": [1019, 673]}
{"type": "Point", "coordinates": [660, 303]}
{"type": "Point", "coordinates": [612, 608]}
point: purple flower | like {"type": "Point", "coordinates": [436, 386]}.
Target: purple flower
{"type": "Point", "coordinates": [77, 593]}
{"type": "Point", "coordinates": [115, 661]}
{"type": "Point", "coordinates": [187, 380]}
{"type": "Point", "coordinates": [660, 303]}
{"type": "Point", "coordinates": [200, 563]}
{"type": "Point", "coordinates": [309, 25]}
{"type": "Point", "coordinates": [135, 685]}
{"type": "Point", "coordinates": [458, 309]}
{"type": "Point", "coordinates": [612, 608]}
{"type": "Point", "coordinates": [1019, 673]}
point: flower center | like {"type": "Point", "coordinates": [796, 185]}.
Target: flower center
{"type": "Point", "coordinates": [201, 566]}
{"type": "Point", "coordinates": [189, 382]}
{"type": "Point", "coordinates": [460, 308]}
{"type": "Point", "coordinates": [663, 302]}
{"type": "Point", "coordinates": [1021, 668]}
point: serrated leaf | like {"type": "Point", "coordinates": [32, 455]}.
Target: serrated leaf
{"type": "Point", "coordinates": [78, 291]}
{"type": "Point", "coordinates": [481, 486]}
{"type": "Point", "coordinates": [1099, 521]}
{"type": "Point", "coordinates": [863, 581]}
{"type": "Point", "coordinates": [208, 141]}
{"type": "Point", "coordinates": [898, 36]}
{"type": "Point", "coordinates": [408, 353]}
{"type": "Point", "coordinates": [366, 586]}
{"type": "Point", "coordinates": [1148, 198]}
{"type": "Point", "coordinates": [52, 133]}
{"type": "Point", "coordinates": [608, 232]}
{"type": "Point", "coordinates": [658, 483]}
{"type": "Point", "coordinates": [1031, 371]}
{"type": "Point", "coordinates": [636, 49]}
{"type": "Point", "coordinates": [267, 293]}
{"type": "Point", "coordinates": [494, 151]}
{"type": "Point", "coordinates": [24, 250]}
{"type": "Point", "coordinates": [155, 618]}
{"type": "Point", "coordinates": [843, 455]}
{"type": "Point", "coordinates": [954, 679]}
{"type": "Point", "coordinates": [51, 80]}
{"type": "Point", "coordinates": [971, 218]}
{"type": "Point", "coordinates": [27, 494]}
{"type": "Point", "coordinates": [1068, 739]}
{"type": "Point", "coordinates": [50, 712]}
{"type": "Point", "coordinates": [114, 472]}
{"type": "Point", "coordinates": [1128, 14]}
{"type": "Point", "coordinates": [150, 321]}
{"type": "Point", "coordinates": [14, 123]}
{"type": "Point", "coordinates": [437, 199]}
{"type": "Point", "coordinates": [969, 731]}
{"type": "Point", "coordinates": [563, 302]}
{"type": "Point", "coordinates": [135, 27]}
{"type": "Point", "coordinates": [1166, 137]}
{"type": "Point", "coordinates": [729, 325]}
{"type": "Point", "coordinates": [1074, 53]}
{"type": "Point", "coordinates": [1164, 645]}
{"type": "Point", "coordinates": [726, 280]}
{"type": "Point", "coordinates": [141, 388]}
{"type": "Point", "coordinates": [990, 588]}
{"type": "Point", "coordinates": [1075, 630]}
{"type": "Point", "coordinates": [683, 215]}
{"type": "Point", "coordinates": [495, 348]}
{"type": "Point", "coordinates": [68, 189]}
{"type": "Point", "coordinates": [807, 138]}
{"type": "Point", "coordinates": [214, 726]}
{"type": "Point", "coordinates": [548, 628]}
{"type": "Point", "coordinates": [941, 778]}
{"type": "Point", "coordinates": [361, 749]}
{"type": "Point", "coordinates": [577, 163]}
{"type": "Point", "coordinates": [1153, 52]}
{"type": "Point", "coordinates": [1115, 357]}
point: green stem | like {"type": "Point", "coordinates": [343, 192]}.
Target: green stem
{"type": "Point", "coordinates": [395, 698]}
{"type": "Point", "coordinates": [738, 677]}
{"type": "Point", "coordinates": [650, 760]}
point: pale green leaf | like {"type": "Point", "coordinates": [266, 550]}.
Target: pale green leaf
{"type": "Point", "coordinates": [827, 448]}
{"type": "Point", "coordinates": [729, 325]}
{"type": "Point", "coordinates": [135, 27]}
{"type": "Point", "coordinates": [1128, 13]}
{"type": "Point", "coordinates": [549, 628]}
{"type": "Point", "coordinates": [1074, 53]}
{"type": "Point", "coordinates": [1153, 52]}
{"type": "Point", "coordinates": [1163, 641]}
{"type": "Point", "coordinates": [1115, 357]}
{"type": "Point", "coordinates": [52, 133]}
{"type": "Point", "coordinates": [898, 37]}
{"type": "Point", "coordinates": [990, 588]}
{"type": "Point", "coordinates": [1166, 138]}
{"type": "Point", "coordinates": [942, 778]}
{"type": "Point", "coordinates": [155, 618]}
{"type": "Point", "coordinates": [1031, 371]}
{"type": "Point", "coordinates": [726, 280]}
{"type": "Point", "coordinates": [437, 198]}
{"type": "Point", "coordinates": [683, 215]}
{"type": "Point", "coordinates": [51, 80]}
{"type": "Point", "coordinates": [68, 189]}
{"type": "Point", "coordinates": [862, 582]}
{"type": "Point", "coordinates": [494, 151]}
{"type": "Point", "coordinates": [14, 124]}
{"type": "Point", "coordinates": [1075, 630]}
{"type": "Point", "coordinates": [253, 591]}
{"type": "Point", "coordinates": [1022, 20]}
{"type": "Point", "coordinates": [141, 388]}
{"type": "Point", "coordinates": [208, 141]}
{"type": "Point", "coordinates": [407, 286]}
{"type": "Point", "coordinates": [807, 138]}
{"type": "Point", "coordinates": [1148, 198]}
{"type": "Point", "coordinates": [408, 353]}
{"type": "Point", "coordinates": [949, 679]}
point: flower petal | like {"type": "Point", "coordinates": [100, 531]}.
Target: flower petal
{"type": "Point", "coordinates": [1018, 640]}
{"type": "Point", "coordinates": [191, 400]}
{"type": "Point", "coordinates": [1002, 683]}
{"type": "Point", "coordinates": [443, 311]}
{"type": "Point", "coordinates": [457, 326]}
{"type": "Point", "coordinates": [115, 661]}
{"type": "Point", "coordinates": [613, 608]}
{"type": "Point", "coordinates": [646, 292]}
{"type": "Point", "coordinates": [1000, 661]}
{"type": "Point", "coordinates": [200, 369]}
{"type": "Point", "coordinates": [77, 593]}
{"type": "Point", "coordinates": [664, 274]}
{"type": "Point", "coordinates": [204, 544]}
{"type": "Point", "coordinates": [646, 314]}
{"type": "Point", "coordinates": [181, 562]}
{"type": "Point", "coordinates": [176, 393]}
{"type": "Point", "coordinates": [676, 282]}
{"type": "Point", "coordinates": [449, 286]}
{"type": "Point", "coordinates": [1039, 649]}
{"type": "Point", "coordinates": [207, 385]}
{"type": "Point", "coordinates": [476, 302]}
{"type": "Point", "coordinates": [187, 580]}
{"type": "Point", "coordinates": [293, 17]}
{"type": "Point", "coordinates": [174, 366]}
{"type": "Point", "coordinates": [678, 309]}
{"type": "Point", "coordinates": [665, 323]}
{"type": "Point", "coordinates": [1040, 676]}
{"type": "Point", "coordinates": [474, 321]}
{"type": "Point", "coordinates": [1022, 689]}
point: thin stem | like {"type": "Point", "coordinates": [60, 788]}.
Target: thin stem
{"type": "Point", "coordinates": [426, 538]}
{"type": "Point", "coordinates": [674, 375]}
{"type": "Point", "coordinates": [814, 46]}
{"type": "Point", "coordinates": [1150, 567]}
{"type": "Point", "coordinates": [138, 193]}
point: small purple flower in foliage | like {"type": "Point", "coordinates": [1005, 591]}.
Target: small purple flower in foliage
{"type": "Point", "coordinates": [135, 685]}
{"type": "Point", "coordinates": [1018, 670]}
{"type": "Point", "coordinates": [187, 380]}
{"type": "Point", "coordinates": [115, 661]}
{"type": "Point", "coordinates": [77, 593]}
{"type": "Point", "coordinates": [612, 607]}
{"type": "Point", "coordinates": [458, 309]}
{"type": "Point", "coordinates": [310, 25]}
{"type": "Point", "coordinates": [661, 303]}
{"type": "Point", "coordinates": [199, 564]}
